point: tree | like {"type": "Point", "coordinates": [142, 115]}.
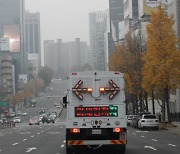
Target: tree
{"type": "Point", "coordinates": [46, 75]}
{"type": "Point", "coordinates": [161, 70]}
{"type": "Point", "coordinates": [127, 59]}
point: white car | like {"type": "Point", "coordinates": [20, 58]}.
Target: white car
{"type": "Point", "coordinates": [17, 120]}
{"type": "Point", "coordinates": [148, 121]}
{"type": "Point", "coordinates": [129, 119]}
{"type": "Point", "coordinates": [24, 114]}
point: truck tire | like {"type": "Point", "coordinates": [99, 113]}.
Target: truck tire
{"type": "Point", "coordinates": [68, 150]}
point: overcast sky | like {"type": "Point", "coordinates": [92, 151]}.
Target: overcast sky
{"type": "Point", "coordinates": [65, 19]}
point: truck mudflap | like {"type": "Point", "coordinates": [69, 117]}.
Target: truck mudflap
{"type": "Point", "coordinates": [96, 142]}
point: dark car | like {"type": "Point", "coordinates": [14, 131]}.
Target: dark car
{"type": "Point", "coordinates": [136, 119]}
{"type": "Point", "coordinates": [41, 111]}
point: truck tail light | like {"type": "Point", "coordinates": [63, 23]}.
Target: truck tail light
{"type": "Point", "coordinates": [75, 130]}
{"type": "Point", "coordinates": [89, 90]}
{"type": "Point", "coordinates": [117, 130]}
{"type": "Point", "coordinates": [102, 89]}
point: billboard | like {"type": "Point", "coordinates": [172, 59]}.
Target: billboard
{"type": "Point", "coordinates": [4, 44]}
{"type": "Point", "coordinates": [148, 6]}
{"type": "Point", "coordinates": [13, 33]}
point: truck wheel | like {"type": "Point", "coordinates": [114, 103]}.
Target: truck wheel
{"type": "Point", "coordinates": [68, 150]}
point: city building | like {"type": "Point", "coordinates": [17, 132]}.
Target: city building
{"type": "Point", "coordinates": [174, 10]}
{"type": "Point", "coordinates": [12, 26]}
{"type": "Point", "coordinates": [130, 14]}
{"type": "Point", "coordinates": [96, 32]}
{"type": "Point", "coordinates": [6, 69]}
{"type": "Point", "coordinates": [65, 57]}
{"type": "Point", "coordinates": [32, 36]}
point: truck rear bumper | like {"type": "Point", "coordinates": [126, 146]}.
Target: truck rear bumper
{"type": "Point", "coordinates": [96, 142]}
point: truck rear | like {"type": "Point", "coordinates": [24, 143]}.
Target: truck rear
{"type": "Point", "coordinates": [96, 115]}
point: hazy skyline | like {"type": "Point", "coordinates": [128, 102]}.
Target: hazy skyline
{"type": "Point", "coordinates": [65, 19]}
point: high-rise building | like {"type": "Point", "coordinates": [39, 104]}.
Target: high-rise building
{"type": "Point", "coordinates": [97, 30]}
{"type": "Point", "coordinates": [12, 26]}
{"type": "Point", "coordinates": [130, 14]}
{"type": "Point", "coordinates": [32, 34]}
{"type": "Point", "coordinates": [174, 9]}
{"type": "Point", "coordinates": [65, 57]}
{"type": "Point", "coordinates": [6, 73]}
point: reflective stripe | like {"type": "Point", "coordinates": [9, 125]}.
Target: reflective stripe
{"type": "Point", "coordinates": [75, 142]}
{"type": "Point", "coordinates": [118, 142]}
{"type": "Point", "coordinates": [95, 142]}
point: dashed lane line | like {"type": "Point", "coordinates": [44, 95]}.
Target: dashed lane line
{"type": "Point", "coordinates": [143, 136]}
{"type": "Point", "coordinates": [15, 144]}
{"type": "Point", "coordinates": [173, 145]}
{"type": "Point", "coordinates": [154, 140]}
{"type": "Point", "coordinates": [32, 136]}
{"type": "Point", "coordinates": [150, 147]}
{"type": "Point", "coordinates": [24, 140]}
{"type": "Point", "coordinates": [62, 145]}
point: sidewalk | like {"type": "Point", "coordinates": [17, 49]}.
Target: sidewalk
{"type": "Point", "coordinates": [173, 127]}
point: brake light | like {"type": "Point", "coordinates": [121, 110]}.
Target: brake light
{"type": "Point", "coordinates": [74, 130]}
{"type": "Point", "coordinates": [117, 130]}
{"type": "Point", "coordinates": [89, 90]}
{"type": "Point", "coordinates": [116, 72]}
{"type": "Point", "coordinates": [102, 89]}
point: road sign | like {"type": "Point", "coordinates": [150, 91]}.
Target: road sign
{"type": "Point", "coordinates": [4, 104]}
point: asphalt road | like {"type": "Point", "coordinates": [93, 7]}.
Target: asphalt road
{"type": "Point", "coordinates": [50, 138]}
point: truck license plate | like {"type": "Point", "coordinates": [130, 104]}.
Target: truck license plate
{"type": "Point", "coordinates": [96, 131]}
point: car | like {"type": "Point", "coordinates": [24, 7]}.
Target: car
{"type": "Point", "coordinates": [18, 113]}
{"type": "Point", "coordinates": [17, 120]}
{"type": "Point", "coordinates": [148, 121]}
{"type": "Point", "coordinates": [131, 122]}
{"type": "Point", "coordinates": [129, 119]}
{"type": "Point", "coordinates": [24, 114]}
{"type": "Point", "coordinates": [41, 111]}
{"type": "Point", "coordinates": [138, 117]}
{"type": "Point", "coordinates": [34, 121]}
{"type": "Point", "coordinates": [12, 114]}
{"type": "Point", "coordinates": [58, 106]}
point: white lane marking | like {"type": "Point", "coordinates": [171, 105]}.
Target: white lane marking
{"type": "Point", "coordinates": [53, 133]}
{"type": "Point", "coordinates": [38, 133]}
{"type": "Point", "coordinates": [15, 144]}
{"type": "Point", "coordinates": [140, 131]}
{"type": "Point", "coordinates": [32, 136]}
{"type": "Point", "coordinates": [143, 136]}
{"type": "Point", "coordinates": [154, 140]}
{"type": "Point", "coordinates": [24, 139]}
{"type": "Point", "coordinates": [24, 132]}
{"type": "Point", "coordinates": [134, 133]}
{"type": "Point", "coordinates": [30, 149]}
{"type": "Point", "coordinates": [149, 147]}
{"type": "Point", "coordinates": [64, 141]}
{"type": "Point", "coordinates": [172, 145]}
{"type": "Point", "coordinates": [2, 134]}
{"type": "Point", "coordinates": [0, 150]}
{"type": "Point", "coordinates": [62, 145]}
{"type": "Point", "coordinates": [42, 131]}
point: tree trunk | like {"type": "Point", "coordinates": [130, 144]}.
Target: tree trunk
{"type": "Point", "coordinates": [133, 103]}
{"type": "Point", "coordinates": [167, 103]}
{"type": "Point", "coordinates": [146, 101]}
{"type": "Point", "coordinates": [163, 105]}
{"type": "Point", "coordinates": [140, 102]}
{"type": "Point", "coordinates": [153, 107]}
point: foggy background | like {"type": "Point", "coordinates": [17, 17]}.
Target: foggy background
{"type": "Point", "coordinates": [65, 19]}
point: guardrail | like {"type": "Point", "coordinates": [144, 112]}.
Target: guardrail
{"type": "Point", "coordinates": [8, 124]}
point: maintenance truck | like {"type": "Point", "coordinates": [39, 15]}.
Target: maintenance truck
{"type": "Point", "coordinates": [96, 116]}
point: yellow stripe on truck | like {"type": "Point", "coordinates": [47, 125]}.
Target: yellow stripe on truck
{"type": "Point", "coordinates": [117, 141]}
{"type": "Point", "coordinates": [76, 142]}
